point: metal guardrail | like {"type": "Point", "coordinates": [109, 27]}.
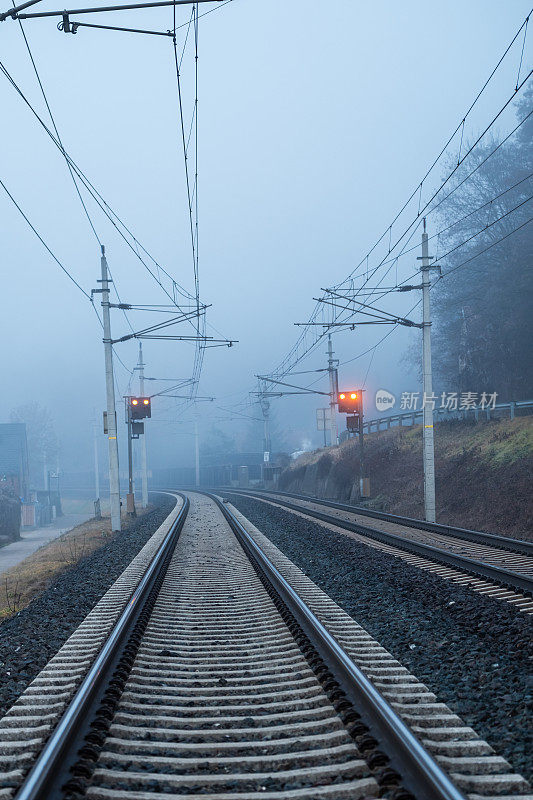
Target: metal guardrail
{"type": "Point", "coordinates": [397, 420]}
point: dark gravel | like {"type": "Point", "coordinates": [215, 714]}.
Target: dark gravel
{"type": "Point", "coordinates": [30, 638]}
{"type": "Point", "coordinates": [474, 652]}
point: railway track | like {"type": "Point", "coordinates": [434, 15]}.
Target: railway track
{"type": "Point", "coordinates": [501, 567]}
{"type": "Point", "coordinates": [215, 667]}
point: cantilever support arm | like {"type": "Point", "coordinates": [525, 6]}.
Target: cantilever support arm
{"type": "Point", "coordinates": [14, 13]}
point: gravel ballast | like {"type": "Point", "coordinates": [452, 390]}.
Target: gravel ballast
{"type": "Point", "coordinates": [472, 651]}
{"type": "Point", "coordinates": [30, 638]}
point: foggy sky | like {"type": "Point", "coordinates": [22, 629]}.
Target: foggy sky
{"type": "Point", "coordinates": [315, 123]}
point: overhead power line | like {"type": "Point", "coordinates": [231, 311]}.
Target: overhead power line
{"type": "Point", "coordinates": [303, 347]}
{"type": "Point", "coordinates": [45, 98]}
{"type": "Point", "coordinates": [58, 262]}
{"type": "Point", "coordinates": [112, 216]}
{"type": "Point", "coordinates": [38, 235]}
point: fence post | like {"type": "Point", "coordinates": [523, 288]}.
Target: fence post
{"type": "Point", "coordinates": [512, 409]}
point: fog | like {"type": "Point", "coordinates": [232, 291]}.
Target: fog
{"type": "Point", "coordinates": [316, 121]}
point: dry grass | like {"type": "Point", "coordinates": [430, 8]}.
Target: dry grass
{"type": "Point", "coordinates": [483, 473]}
{"type": "Point", "coordinates": [20, 584]}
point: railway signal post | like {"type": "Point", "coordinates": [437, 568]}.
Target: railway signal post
{"type": "Point", "coordinates": [351, 402]}
{"type": "Point", "coordinates": [130, 497]}
{"type": "Point", "coordinates": [144, 471]}
{"type": "Point", "coordinates": [137, 408]}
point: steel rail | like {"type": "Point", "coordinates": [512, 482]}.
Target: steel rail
{"type": "Point", "coordinates": [420, 772]}
{"type": "Point", "coordinates": [499, 575]}
{"type": "Point", "coordinates": [41, 781]}
{"type": "Point", "coordinates": [479, 537]}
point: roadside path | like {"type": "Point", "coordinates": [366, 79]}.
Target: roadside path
{"type": "Point", "coordinates": [12, 554]}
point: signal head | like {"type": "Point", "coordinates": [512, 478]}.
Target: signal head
{"type": "Point", "coordinates": [350, 402]}
{"type": "Point", "coordinates": [140, 407]}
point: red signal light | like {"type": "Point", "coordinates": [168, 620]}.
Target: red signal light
{"type": "Point", "coordinates": [350, 402]}
{"type": "Point", "coordinates": [140, 407]}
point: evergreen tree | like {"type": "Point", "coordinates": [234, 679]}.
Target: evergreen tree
{"type": "Point", "coordinates": [482, 309]}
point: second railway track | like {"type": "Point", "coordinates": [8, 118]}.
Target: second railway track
{"type": "Point", "coordinates": [501, 561]}
{"type": "Point", "coordinates": [240, 680]}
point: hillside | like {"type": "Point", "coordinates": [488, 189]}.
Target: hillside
{"type": "Point", "coordinates": [483, 473]}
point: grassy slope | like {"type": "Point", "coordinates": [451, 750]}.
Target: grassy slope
{"type": "Point", "coordinates": [483, 473]}
{"type": "Point", "coordinates": [21, 583]}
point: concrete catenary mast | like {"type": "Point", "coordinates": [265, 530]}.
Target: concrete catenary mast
{"type": "Point", "coordinates": [114, 485]}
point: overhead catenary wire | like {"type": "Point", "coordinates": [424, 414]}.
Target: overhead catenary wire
{"type": "Point", "coordinates": [414, 225]}
{"type": "Point", "coordinates": [442, 277]}
{"type": "Point", "coordinates": [300, 350]}
{"type": "Point", "coordinates": [57, 260]}
{"type": "Point", "coordinates": [38, 235]}
{"type": "Point", "coordinates": [108, 211]}
{"type": "Point", "coordinates": [113, 217]}
{"type": "Point", "coordinates": [70, 169]}
{"type": "Point", "coordinates": [481, 252]}
{"type": "Point", "coordinates": [459, 127]}
{"type": "Point", "coordinates": [447, 228]}
{"type": "Point", "coordinates": [45, 98]}
{"type": "Point", "coordinates": [104, 207]}
{"type": "Point", "coordinates": [192, 194]}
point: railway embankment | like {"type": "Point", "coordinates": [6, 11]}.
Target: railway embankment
{"type": "Point", "coordinates": [483, 473]}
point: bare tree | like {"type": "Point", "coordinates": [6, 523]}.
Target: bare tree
{"type": "Point", "coordinates": [43, 446]}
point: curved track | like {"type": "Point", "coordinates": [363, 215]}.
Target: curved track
{"type": "Point", "coordinates": [506, 567]}
{"type": "Point", "coordinates": [229, 674]}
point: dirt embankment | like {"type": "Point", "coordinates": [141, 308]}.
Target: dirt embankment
{"type": "Point", "coordinates": [483, 473]}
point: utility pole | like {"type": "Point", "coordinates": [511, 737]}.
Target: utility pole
{"type": "Point", "coordinates": [114, 485]}
{"type": "Point", "coordinates": [333, 391]}
{"type": "Point", "coordinates": [97, 509]}
{"type": "Point", "coordinates": [196, 450]}
{"type": "Point", "coordinates": [429, 448]}
{"type": "Point", "coordinates": [144, 471]}
{"type": "Point", "coordinates": [265, 408]}
{"type": "Point", "coordinates": [45, 472]}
